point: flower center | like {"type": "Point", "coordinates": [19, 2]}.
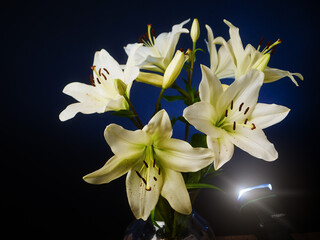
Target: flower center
{"type": "Point", "coordinates": [235, 116]}
{"type": "Point", "coordinates": [149, 169]}
{"type": "Point", "coordinates": [148, 39]}
{"type": "Point", "coordinates": [101, 72]}
{"type": "Point", "coordinates": [263, 61]}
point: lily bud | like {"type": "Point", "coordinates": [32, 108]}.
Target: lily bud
{"type": "Point", "coordinates": [121, 86]}
{"type": "Point", "coordinates": [195, 30]}
{"type": "Point", "coordinates": [173, 69]}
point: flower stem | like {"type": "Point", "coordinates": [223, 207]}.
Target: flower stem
{"type": "Point", "coordinates": [135, 120]}
{"type": "Point", "coordinates": [158, 101]}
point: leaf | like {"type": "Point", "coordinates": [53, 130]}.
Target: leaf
{"type": "Point", "coordinates": [173, 98]}
{"type": "Point", "coordinates": [199, 140]}
{"type": "Point", "coordinates": [200, 49]}
{"type": "Point", "coordinates": [124, 113]}
{"type": "Point", "coordinates": [182, 119]}
{"type": "Point", "coordinates": [202, 185]}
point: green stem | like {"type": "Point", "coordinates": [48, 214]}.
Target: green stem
{"type": "Point", "coordinates": [137, 120]}
{"type": "Point", "coordinates": [192, 63]}
{"type": "Point", "coordinates": [190, 76]}
{"type": "Point", "coordinates": [158, 101]}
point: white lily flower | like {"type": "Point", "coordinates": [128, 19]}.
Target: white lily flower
{"type": "Point", "coordinates": [157, 52]}
{"type": "Point", "coordinates": [103, 95]}
{"type": "Point", "coordinates": [232, 60]}
{"type": "Point", "coordinates": [233, 117]}
{"type": "Point", "coordinates": [154, 162]}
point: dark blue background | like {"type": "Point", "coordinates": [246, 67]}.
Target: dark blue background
{"type": "Point", "coordinates": [46, 45]}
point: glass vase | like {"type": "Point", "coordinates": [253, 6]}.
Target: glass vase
{"type": "Point", "coordinates": [191, 227]}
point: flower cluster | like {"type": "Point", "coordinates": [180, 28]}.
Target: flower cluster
{"type": "Point", "coordinates": [226, 115]}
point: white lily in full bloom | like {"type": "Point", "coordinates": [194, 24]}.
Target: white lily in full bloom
{"type": "Point", "coordinates": [103, 95]}
{"type": "Point", "coordinates": [156, 53]}
{"type": "Point", "coordinates": [154, 162]}
{"type": "Point", "coordinates": [232, 60]}
{"type": "Point", "coordinates": [233, 117]}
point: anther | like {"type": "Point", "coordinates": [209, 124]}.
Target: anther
{"type": "Point", "coordinates": [106, 71]}
{"type": "Point", "coordinates": [268, 45]}
{"type": "Point", "coordinates": [98, 80]}
{"type": "Point", "coordinates": [245, 121]}
{"type": "Point", "coordinates": [240, 107]}
{"type": "Point", "coordinates": [181, 49]}
{"type": "Point", "coordinates": [145, 164]}
{"type": "Point", "coordinates": [226, 114]}
{"type": "Point", "coordinates": [159, 171]}
{"type": "Point", "coordinates": [247, 109]}
{"type": "Point", "coordinates": [93, 67]}
{"type": "Point", "coordinates": [261, 41]}
{"type": "Point", "coordinates": [104, 76]}
{"type": "Point", "coordinates": [148, 189]}
{"type": "Point", "coordinates": [99, 71]}
{"type": "Point", "coordinates": [231, 105]}
{"type": "Point", "coordinates": [155, 178]}
{"type": "Point", "coordinates": [91, 80]}
{"type": "Point", "coordinates": [139, 175]}
{"type": "Point", "coordinates": [253, 126]}
{"type": "Point", "coordinates": [273, 49]}
{"type": "Point", "coordinates": [234, 126]}
{"type": "Point", "coordinates": [152, 32]}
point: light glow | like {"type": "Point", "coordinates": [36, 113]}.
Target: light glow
{"type": "Point", "coordinates": [243, 191]}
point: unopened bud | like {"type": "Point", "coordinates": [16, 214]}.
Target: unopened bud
{"type": "Point", "coordinates": [195, 30]}
{"type": "Point", "coordinates": [173, 70]}
{"type": "Point", "coordinates": [121, 86]}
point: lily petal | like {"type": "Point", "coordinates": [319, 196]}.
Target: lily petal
{"type": "Point", "coordinates": [159, 127]}
{"type": "Point", "coordinates": [90, 100]}
{"type": "Point", "coordinates": [273, 74]}
{"type": "Point", "coordinates": [266, 115]}
{"type": "Point", "coordinates": [141, 201]}
{"type": "Point", "coordinates": [125, 143]}
{"type": "Point", "coordinates": [244, 90]}
{"type": "Point", "coordinates": [175, 191]}
{"type": "Point", "coordinates": [180, 156]}
{"type": "Point", "coordinates": [255, 143]}
{"type": "Point", "coordinates": [114, 168]}
{"type": "Point", "coordinates": [210, 87]}
{"type": "Point", "coordinates": [212, 50]}
{"type": "Point", "coordinates": [131, 71]}
{"type": "Point", "coordinates": [166, 42]}
{"type": "Point", "coordinates": [235, 40]}
{"type": "Point", "coordinates": [223, 149]}
{"type": "Point", "coordinates": [202, 116]}
{"type": "Point", "coordinates": [102, 59]}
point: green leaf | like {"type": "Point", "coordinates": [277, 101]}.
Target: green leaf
{"type": "Point", "coordinates": [182, 119]}
{"type": "Point", "coordinates": [200, 49]}
{"type": "Point", "coordinates": [124, 113]}
{"type": "Point", "coordinates": [173, 98]}
{"type": "Point", "coordinates": [199, 140]}
{"type": "Point", "coordinates": [202, 185]}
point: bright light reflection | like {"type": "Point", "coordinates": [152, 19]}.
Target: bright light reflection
{"type": "Point", "coordinates": [243, 191]}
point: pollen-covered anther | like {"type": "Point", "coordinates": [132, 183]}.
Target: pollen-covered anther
{"type": "Point", "coordinates": [240, 107]}
{"type": "Point", "coordinates": [91, 80]}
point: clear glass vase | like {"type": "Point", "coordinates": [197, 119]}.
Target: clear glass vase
{"type": "Point", "coordinates": [191, 227]}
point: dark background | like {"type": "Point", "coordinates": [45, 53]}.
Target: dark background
{"type": "Point", "coordinates": [46, 45]}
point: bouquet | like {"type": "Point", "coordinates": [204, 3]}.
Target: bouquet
{"type": "Point", "coordinates": [162, 173]}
